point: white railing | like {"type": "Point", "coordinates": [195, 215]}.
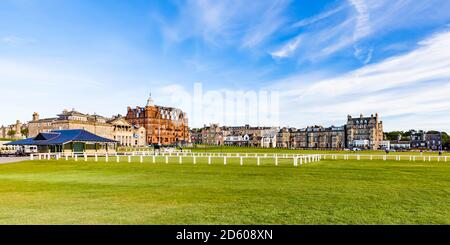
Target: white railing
{"type": "Point", "coordinates": [297, 159]}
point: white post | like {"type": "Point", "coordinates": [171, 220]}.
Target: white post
{"type": "Point", "coordinates": [209, 160]}
{"type": "Point", "coordinates": [429, 158]}
{"type": "Point", "coordinates": [424, 159]}
{"type": "Point", "coordinates": [180, 159]}
{"type": "Point", "coordinates": [371, 157]}
{"type": "Point", "coordinates": [106, 157]}
{"type": "Point", "coordinates": [295, 161]}
{"type": "Point", "coordinates": [153, 158]}
{"type": "Point", "coordinates": [167, 159]}
{"type": "Point", "coordinates": [76, 158]}
{"type": "Point", "coordinates": [257, 161]}
{"type": "Point", "coordinates": [195, 159]}
{"type": "Point", "coordinates": [445, 158]}
{"type": "Point", "coordinates": [224, 160]}
{"type": "Point", "coordinates": [129, 158]}
{"type": "Point", "coordinates": [241, 162]}
{"type": "Point", "coordinates": [31, 157]}
{"type": "Point", "coordinates": [117, 158]}
{"type": "Point", "coordinates": [384, 157]}
{"type": "Point", "coordinates": [414, 158]}
{"type": "Point", "coordinates": [96, 157]}
{"type": "Point", "coordinates": [141, 159]}
{"type": "Point", "coordinates": [399, 157]}
{"type": "Point", "coordinates": [439, 159]}
{"type": "Point", "coordinates": [276, 160]}
{"type": "Point", "coordinates": [48, 156]}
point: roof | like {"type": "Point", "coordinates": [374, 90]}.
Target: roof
{"type": "Point", "coordinates": [58, 137]}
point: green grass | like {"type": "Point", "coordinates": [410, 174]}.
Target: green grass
{"type": "Point", "coordinates": [213, 148]}
{"type": "Point", "coordinates": [326, 192]}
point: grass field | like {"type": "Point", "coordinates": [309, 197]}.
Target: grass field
{"type": "Point", "coordinates": [212, 148]}
{"type": "Point", "coordinates": [326, 192]}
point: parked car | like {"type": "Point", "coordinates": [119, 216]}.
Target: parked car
{"type": "Point", "coordinates": [26, 150]}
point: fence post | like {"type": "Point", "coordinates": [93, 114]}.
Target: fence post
{"type": "Point", "coordinates": [276, 160]}
{"type": "Point", "coordinates": [257, 160]}
{"type": "Point", "coordinates": [195, 159]}
{"type": "Point", "coordinates": [241, 161]}
{"type": "Point", "coordinates": [106, 157]}
{"type": "Point", "coordinates": [31, 157]}
{"type": "Point", "coordinates": [180, 159]}
{"type": "Point", "coordinates": [96, 157]}
{"type": "Point", "coordinates": [429, 158]}
{"type": "Point", "coordinates": [295, 161]}
{"type": "Point", "coordinates": [445, 158]}
{"type": "Point", "coordinates": [76, 158]}
{"type": "Point", "coordinates": [414, 158]}
{"type": "Point", "coordinates": [167, 159]}
{"type": "Point", "coordinates": [141, 159]}
{"type": "Point", "coordinates": [153, 159]}
{"type": "Point", "coordinates": [129, 158]}
{"type": "Point", "coordinates": [117, 158]}
{"type": "Point", "coordinates": [225, 160]}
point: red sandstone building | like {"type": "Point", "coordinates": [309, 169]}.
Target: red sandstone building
{"type": "Point", "coordinates": [164, 125]}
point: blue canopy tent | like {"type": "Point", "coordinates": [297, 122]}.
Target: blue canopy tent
{"type": "Point", "coordinates": [72, 140]}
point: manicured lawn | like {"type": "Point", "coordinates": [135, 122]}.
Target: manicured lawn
{"type": "Point", "coordinates": [326, 192]}
{"type": "Point", "coordinates": [212, 148]}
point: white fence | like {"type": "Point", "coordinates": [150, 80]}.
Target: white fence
{"type": "Point", "coordinates": [295, 159]}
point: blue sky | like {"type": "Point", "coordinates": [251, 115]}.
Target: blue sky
{"type": "Point", "coordinates": [327, 59]}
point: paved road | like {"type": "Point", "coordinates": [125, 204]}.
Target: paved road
{"type": "Point", "coordinates": [12, 159]}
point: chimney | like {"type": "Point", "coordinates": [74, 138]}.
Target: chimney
{"type": "Point", "coordinates": [35, 117]}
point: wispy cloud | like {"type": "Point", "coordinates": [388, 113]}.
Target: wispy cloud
{"type": "Point", "coordinates": [416, 83]}
{"type": "Point", "coordinates": [287, 49]}
{"type": "Point", "coordinates": [224, 22]}
{"type": "Point", "coordinates": [351, 25]}
{"type": "Point", "coordinates": [17, 41]}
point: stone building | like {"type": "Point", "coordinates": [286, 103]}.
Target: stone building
{"type": "Point", "coordinates": [127, 134]}
{"type": "Point", "coordinates": [364, 132]}
{"type": "Point", "coordinates": [284, 137]}
{"type": "Point", "coordinates": [257, 136]}
{"type": "Point", "coordinates": [213, 135]}
{"type": "Point", "coordinates": [318, 137]}
{"type": "Point", "coordinates": [13, 131]}
{"type": "Point", "coordinates": [116, 128]}
{"type": "Point", "coordinates": [433, 140]}
{"type": "Point", "coordinates": [71, 120]}
{"type": "Point", "coordinates": [163, 125]}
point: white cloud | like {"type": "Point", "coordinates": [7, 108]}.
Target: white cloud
{"type": "Point", "coordinates": [17, 41]}
{"type": "Point", "coordinates": [224, 22]}
{"type": "Point", "coordinates": [287, 49]}
{"type": "Point", "coordinates": [416, 84]}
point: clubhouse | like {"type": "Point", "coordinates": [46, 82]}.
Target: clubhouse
{"type": "Point", "coordinates": [69, 141]}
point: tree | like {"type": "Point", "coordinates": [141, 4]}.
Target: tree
{"type": "Point", "coordinates": [393, 135]}
{"type": "Point", "coordinates": [24, 132]}
{"type": "Point", "coordinates": [11, 133]}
